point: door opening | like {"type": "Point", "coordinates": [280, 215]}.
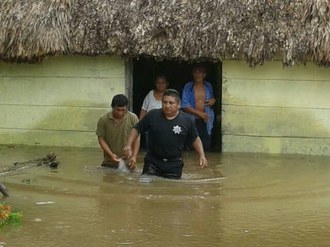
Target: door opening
{"type": "Point", "coordinates": [178, 74]}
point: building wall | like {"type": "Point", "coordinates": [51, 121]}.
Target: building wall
{"type": "Point", "coordinates": [276, 109]}
{"type": "Point", "coordinates": [59, 101]}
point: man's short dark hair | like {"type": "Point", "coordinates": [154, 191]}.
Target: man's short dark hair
{"type": "Point", "coordinates": [119, 100]}
{"type": "Point", "coordinates": [161, 76]}
{"type": "Point", "coordinates": [173, 93]}
{"type": "Point", "coordinates": [199, 66]}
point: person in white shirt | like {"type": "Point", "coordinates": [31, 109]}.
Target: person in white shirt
{"type": "Point", "coordinates": [153, 100]}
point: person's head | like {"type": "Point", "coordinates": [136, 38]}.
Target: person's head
{"type": "Point", "coordinates": [199, 72]}
{"type": "Point", "coordinates": [119, 105]}
{"type": "Point", "coordinates": [171, 102]}
{"type": "Point", "coordinates": [161, 83]}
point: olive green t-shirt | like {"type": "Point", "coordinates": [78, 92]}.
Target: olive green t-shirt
{"type": "Point", "coordinates": [115, 134]}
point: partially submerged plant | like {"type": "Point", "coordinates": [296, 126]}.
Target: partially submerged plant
{"type": "Point", "coordinates": [7, 216]}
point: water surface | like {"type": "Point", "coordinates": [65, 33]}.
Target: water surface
{"type": "Point", "coordinates": [239, 200]}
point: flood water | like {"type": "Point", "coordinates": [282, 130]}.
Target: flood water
{"type": "Point", "coordinates": [239, 200]}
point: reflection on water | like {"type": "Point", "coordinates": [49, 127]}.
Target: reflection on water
{"type": "Point", "coordinates": [239, 200]}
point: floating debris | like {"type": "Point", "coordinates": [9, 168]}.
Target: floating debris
{"type": "Point", "coordinates": [48, 160]}
{"type": "Point", "coordinates": [4, 190]}
{"type": "Point", "coordinates": [44, 203]}
{"type": "Point", "coordinates": [144, 179]}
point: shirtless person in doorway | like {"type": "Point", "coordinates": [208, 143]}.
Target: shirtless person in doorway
{"type": "Point", "coordinates": [197, 100]}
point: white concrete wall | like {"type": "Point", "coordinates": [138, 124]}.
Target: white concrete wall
{"type": "Point", "coordinates": [57, 102]}
{"type": "Point", "coordinates": [276, 109]}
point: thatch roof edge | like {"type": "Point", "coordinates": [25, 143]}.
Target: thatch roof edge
{"type": "Point", "coordinates": [254, 30]}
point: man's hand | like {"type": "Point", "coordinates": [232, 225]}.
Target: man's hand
{"type": "Point", "coordinates": [114, 157]}
{"type": "Point", "coordinates": [203, 161]}
{"type": "Point", "coordinates": [204, 116]}
{"type": "Point", "coordinates": [210, 102]}
{"type": "Point", "coordinates": [132, 163]}
{"type": "Point", "coordinates": [127, 150]}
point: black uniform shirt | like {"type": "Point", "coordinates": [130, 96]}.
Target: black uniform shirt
{"type": "Point", "coordinates": [167, 137]}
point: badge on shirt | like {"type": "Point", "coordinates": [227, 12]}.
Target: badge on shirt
{"type": "Point", "coordinates": [177, 129]}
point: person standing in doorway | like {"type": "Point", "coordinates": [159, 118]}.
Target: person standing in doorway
{"type": "Point", "coordinates": [112, 132]}
{"type": "Point", "coordinates": [153, 100]}
{"type": "Point", "coordinates": [169, 130]}
{"type": "Point", "coordinates": [197, 100]}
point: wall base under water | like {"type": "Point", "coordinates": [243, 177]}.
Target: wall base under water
{"type": "Point", "coordinates": [57, 102]}
{"type": "Point", "coordinates": [276, 109]}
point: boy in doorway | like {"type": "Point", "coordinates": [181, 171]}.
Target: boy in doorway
{"type": "Point", "coordinates": [197, 100]}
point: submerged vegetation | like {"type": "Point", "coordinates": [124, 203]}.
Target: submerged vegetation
{"type": "Point", "coordinates": [8, 216]}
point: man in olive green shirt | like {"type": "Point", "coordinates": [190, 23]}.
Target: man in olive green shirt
{"type": "Point", "coordinates": [112, 132]}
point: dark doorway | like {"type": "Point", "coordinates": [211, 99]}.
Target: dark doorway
{"type": "Point", "coordinates": [178, 73]}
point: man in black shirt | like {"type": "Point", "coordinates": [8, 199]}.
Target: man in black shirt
{"type": "Point", "coordinates": [169, 129]}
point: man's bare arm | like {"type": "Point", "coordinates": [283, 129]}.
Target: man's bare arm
{"type": "Point", "coordinates": [198, 146]}
{"type": "Point", "coordinates": [133, 135]}
{"type": "Point", "coordinates": [142, 114]}
{"type": "Point", "coordinates": [135, 151]}
{"type": "Point", "coordinates": [107, 149]}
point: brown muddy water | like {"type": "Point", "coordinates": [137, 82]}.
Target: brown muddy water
{"type": "Point", "coordinates": [239, 200]}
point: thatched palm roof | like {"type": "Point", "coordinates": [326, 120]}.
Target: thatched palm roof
{"type": "Point", "coordinates": [255, 30]}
